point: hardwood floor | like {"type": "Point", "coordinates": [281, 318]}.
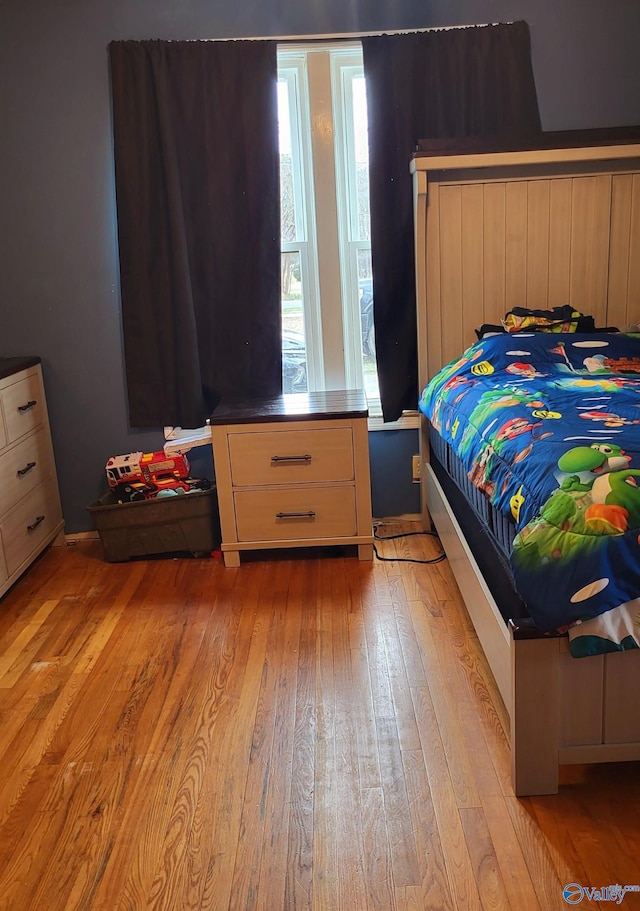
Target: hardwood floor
{"type": "Point", "coordinates": [303, 733]}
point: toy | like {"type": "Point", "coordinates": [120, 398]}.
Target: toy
{"type": "Point", "coordinates": [153, 469]}
{"type": "Point", "coordinates": [143, 475]}
{"type": "Point", "coordinates": [132, 493]}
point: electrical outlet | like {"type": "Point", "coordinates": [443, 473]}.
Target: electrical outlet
{"type": "Point", "coordinates": [415, 468]}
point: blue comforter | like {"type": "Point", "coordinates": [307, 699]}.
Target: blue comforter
{"type": "Point", "coordinates": [548, 425]}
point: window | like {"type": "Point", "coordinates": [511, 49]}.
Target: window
{"type": "Point", "coordinates": [327, 289]}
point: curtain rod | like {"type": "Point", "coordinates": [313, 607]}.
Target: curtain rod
{"type": "Point", "coordinates": [355, 35]}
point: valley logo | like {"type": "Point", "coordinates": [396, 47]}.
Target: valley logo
{"type": "Point", "coordinates": [573, 893]}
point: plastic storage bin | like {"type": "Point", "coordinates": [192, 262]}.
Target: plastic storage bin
{"type": "Point", "coordinates": [189, 522]}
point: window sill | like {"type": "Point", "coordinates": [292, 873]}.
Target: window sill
{"type": "Point", "coordinates": [409, 420]}
{"type": "Point", "coordinates": [178, 440]}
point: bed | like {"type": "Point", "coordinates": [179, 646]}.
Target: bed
{"type": "Point", "coordinates": [535, 227]}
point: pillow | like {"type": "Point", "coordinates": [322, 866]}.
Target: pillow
{"type": "Point", "coordinates": [558, 319]}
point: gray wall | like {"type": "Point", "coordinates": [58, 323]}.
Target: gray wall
{"type": "Point", "coordinates": [59, 295]}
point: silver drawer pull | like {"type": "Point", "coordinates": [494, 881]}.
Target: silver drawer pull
{"type": "Point", "coordinates": [27, 468]}
{"type": "Point", "coordinates": [27, 406]}
{"type": "Point", "coordinates": [38, 521]}
{"type": "Point", "coordinates": [310, 514]}
{"type": "Point", "coordinates": [291, 458]}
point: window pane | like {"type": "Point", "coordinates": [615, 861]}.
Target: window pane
{"type": "Point", "coordinates": [361, 145]}
{"type": "Point", "coordinates": [365, 294]}
{"type": "Point", "coordinates": [327, 291]}
{"type": "Point", "coordinates": [294, 347]}
{"type": "Point", "coordinates": [289, 215]}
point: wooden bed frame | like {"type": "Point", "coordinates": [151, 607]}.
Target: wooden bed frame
{"type": "Point", "coordinates": [536, 227]}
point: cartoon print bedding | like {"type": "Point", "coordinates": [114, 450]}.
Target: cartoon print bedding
{"type": "Point", "coordinates": [548, 426]}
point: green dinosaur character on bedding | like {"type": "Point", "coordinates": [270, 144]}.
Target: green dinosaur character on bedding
{"type": "Point", "coordinates": [613, 487]}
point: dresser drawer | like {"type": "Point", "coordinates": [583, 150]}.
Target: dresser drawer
{"type": "Point", "coordinates": [291, 457]}
{"type": "Point", "coordinates": [314, 512]}
{"type": "Point", "coordinates": [23, 406]}
{"type": "Point", "coordinates": [25, 528]}
{"type": "Point", "coordinates": [23, 468]}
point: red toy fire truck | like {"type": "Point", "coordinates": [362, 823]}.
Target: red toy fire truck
{"type": "Point", "coordinates": [146, 473]}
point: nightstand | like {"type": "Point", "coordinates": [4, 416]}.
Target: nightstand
{"type": "Point", "coordinates": [293, 471]}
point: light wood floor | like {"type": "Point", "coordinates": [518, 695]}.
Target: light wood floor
{"type": "Point", "coordinates": [304, 733]}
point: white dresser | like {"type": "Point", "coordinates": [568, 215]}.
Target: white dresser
{"type": "Point", "coordinates": [30, 513]}
{"type": "Point", "coordinates": [293, 471]}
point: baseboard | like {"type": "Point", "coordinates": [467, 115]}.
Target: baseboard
{"type": "Point", "coordinates": [408, 517]}
{"type": "Point", "coordinates": [81, 536]}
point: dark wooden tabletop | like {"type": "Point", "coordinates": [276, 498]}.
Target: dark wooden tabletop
{"type": "Point", "coordinates": [11, 365]}
{"type": "Point", "coordinates": [300, 406]}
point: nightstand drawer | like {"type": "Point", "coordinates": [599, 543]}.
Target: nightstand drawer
{"type": "Point", "coordinates": [291, 457]}
{"type": "Point", "coordinates": [23, 468]}
{"type": "Point", "coordinates": [23, 406]}
{"type": "Point", "coordinates": [315, 512]}
{"type": "Point", "coordinates": [25, 528]}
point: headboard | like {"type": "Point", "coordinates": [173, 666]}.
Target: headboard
{"type": "Point", "coordinates": [535, 227]}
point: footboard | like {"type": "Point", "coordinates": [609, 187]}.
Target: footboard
{"type": "Point", "coordinates": [569, 710]}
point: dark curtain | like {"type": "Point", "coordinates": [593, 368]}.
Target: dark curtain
{"type": "Point", "coordinates": [462, 82]}
{"type": "Point", "coordinates": [198, 204]}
